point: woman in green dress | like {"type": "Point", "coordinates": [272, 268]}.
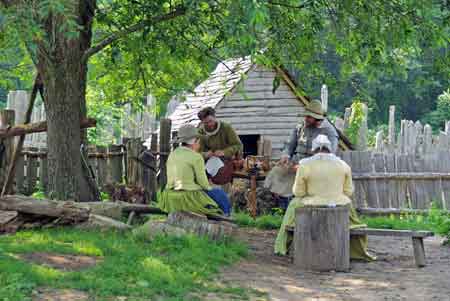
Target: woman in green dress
{"type": "Point", "coordinates": [187, 184]}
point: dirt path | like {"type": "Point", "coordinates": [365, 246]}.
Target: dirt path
{"type": "Point", "coordinates": [392, 277]}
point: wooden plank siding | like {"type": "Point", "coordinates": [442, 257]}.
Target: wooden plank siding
{"type": "Point", "coordinates": [252, 108]}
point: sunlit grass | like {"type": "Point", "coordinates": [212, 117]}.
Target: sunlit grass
{"type": "Point", "coordinates": [168, 268]}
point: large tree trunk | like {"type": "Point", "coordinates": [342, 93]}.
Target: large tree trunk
{"type": "Point", "coordinates": [64, 73]}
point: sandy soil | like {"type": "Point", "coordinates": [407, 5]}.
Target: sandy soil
{"type": "Point", "coordinates": [393, 276]}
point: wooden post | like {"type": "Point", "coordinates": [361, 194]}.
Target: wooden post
{"type": "Point", "coordinates": [391, 137]}
{"type": "Point", "coordinates": [348, 113]}
{"type": "Point", "coordinates": [379, 143]}
{"type": "Point", "coordinates": [427, 138]}
{"type": "Point", "coordinates": [6, 120]}
{"type": "Point", "coordinates": [32, 168]}
{"type": "Point", "coordinates": [252, 196]}
{"type": "Point", "coordinates": [322, 238]}
{"type": "Point", "coordinates": [20, 174]}
{"type": "Point", "coordinates": [339, 123]}
{"type": "Point", "coordinates": [115, 163]}
{"type": "Point", "coordinates": [164, 142]}
{"type": "Point", "coordinates": [363, 130]}
{"type": "Point", "coordinates": [149, 175]}
{"type": "Point", "coordinates": [153, 185]}
{"type": "Point", "coordinates": [43, 170]}
{"type": "Point", "coordinates": [419, 137]}
{"type": "Point", "coordinates": [324, 97]}
{"type": "Point", "coordinates": [102, 171]}
{"type": "Point", "coordinates": [419, 251]}
{"type": "Point", "coordinates": [133, 149]}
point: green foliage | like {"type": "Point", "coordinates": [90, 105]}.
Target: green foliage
{"type": "Point", "coordinates": [438, 117]}
{"type": "Point", "coordinates": [267, 222]}
{"type": "Point", "coordinates": [167, 268]}
{"type": "Point", "coordinates": [437, 221]}
{"type": "Point", "coordinates": [355, 121]}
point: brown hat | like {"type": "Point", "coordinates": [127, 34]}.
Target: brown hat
{"type": "Point", "coordinates": [314, 109]}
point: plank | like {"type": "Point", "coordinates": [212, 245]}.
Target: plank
{"type": "Point", "coordinates": [389, 232]}
{"type": "Point", "coordinates": [384, 200]}
{"type": "Point", "coordinates": [31, 171]}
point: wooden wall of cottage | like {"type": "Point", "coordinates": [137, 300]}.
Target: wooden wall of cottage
{"type": "Point", "coordinates": [254, 109]}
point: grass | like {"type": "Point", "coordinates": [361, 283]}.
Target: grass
{"type": "Point", "coordinates": [437, 221]}
{"type": "Point", "coordinates": [265, 222]}
{"type": "Point", "coordinates": [167, 268]}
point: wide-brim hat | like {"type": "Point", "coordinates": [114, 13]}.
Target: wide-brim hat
{"type": "Point", "coordinates": [186, 133]}
{"type": "Point", "coordinates": [315, 110]}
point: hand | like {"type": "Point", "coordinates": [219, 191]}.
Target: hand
{"type": "Point", "coordinates": [209, 154]}
{"type": "Point", "coordinates": [284, 159]}
{"type": "Point", "coordinates": [219, 153]}
{"type": "Point", "coordinates": [294, 167]}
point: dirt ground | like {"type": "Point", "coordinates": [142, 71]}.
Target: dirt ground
{"type": "Point", "coordinates": [393, 276]}
{"type": "Point", "coordinates": [65, 262]}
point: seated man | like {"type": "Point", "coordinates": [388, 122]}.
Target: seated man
{"type": "Point", "coordinates": [187, 187]}
{"type": "Point", "coordinates": [321, 180]}
{"type": "Point", "coordinates": [218, 140]}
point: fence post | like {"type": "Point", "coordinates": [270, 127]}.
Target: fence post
{"type": "Point", "coordinates": [43, 170]}
{"type": "Point", "coordinates": [164, 149]}
{"type": "Point", "coordinates": [7, 118]}
{"type": "Point", "coordinates": [391, 137]}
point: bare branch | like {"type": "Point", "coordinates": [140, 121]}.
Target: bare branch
{"type": "Point", "coordinates": [139, 26]}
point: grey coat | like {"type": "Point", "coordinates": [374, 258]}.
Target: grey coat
{"type": "Point", "coordinates": [299, 145]}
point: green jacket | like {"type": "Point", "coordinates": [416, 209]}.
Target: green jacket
{"type": "Point", "coordinates": [186, 170]}
{"type": "Point", "coordinates": [223, 138]}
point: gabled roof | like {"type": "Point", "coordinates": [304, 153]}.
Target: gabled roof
{"type": "Point", "coordinates": [210, 92]}
{"type": "Point", "coordinates": [220, 83]}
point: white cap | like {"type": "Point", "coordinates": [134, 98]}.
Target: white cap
{"type": "Point", "coordinates": [321, 141]}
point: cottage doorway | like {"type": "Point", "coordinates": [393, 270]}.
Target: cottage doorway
{"type": "Point", "coordinates": [250, 143]}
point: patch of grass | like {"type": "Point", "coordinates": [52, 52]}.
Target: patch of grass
{"type": "Point", "coordinates": [436, 220]}
{"type": "Point", "coordinates": [167, 267]}
{"type": "Point", "coordinates": [266, 222]}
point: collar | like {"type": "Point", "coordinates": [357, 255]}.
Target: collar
{"type": "Point", "coordinates": [213, 132]}
{"type": "Point", "coordinates": [322, 157]}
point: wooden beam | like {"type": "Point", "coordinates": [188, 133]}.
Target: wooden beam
{"type": "Point", "coordinates": [38, 127]}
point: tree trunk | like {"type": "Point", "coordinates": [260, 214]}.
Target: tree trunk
{"type": "Point", "coordinates": [64, 73]}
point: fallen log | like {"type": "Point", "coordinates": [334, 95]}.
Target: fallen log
{"type": "Point", "coordinates": [76, 212]}
{"type": "Point", "coordinates": [103, 223]}
{"type": "Point", "coordinates": [7, 216]}
{"type": "Point", "coordinates": [23, 129]}
{"type": "Point", "coordinates": [145, 209]}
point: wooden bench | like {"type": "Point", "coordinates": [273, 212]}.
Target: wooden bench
{"type": "Point", "coordinates": [417, 239]}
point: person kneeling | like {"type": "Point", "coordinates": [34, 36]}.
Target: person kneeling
{"type": "Point", "coordinates": [187, 186]}
{"type": "Point", "coordinates": [322, 179]}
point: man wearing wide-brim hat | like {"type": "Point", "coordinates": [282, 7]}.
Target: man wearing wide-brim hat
{"type": "Point", "coordinates": [188, 188]}
{"type": "Point", "coordinates": [299, 145]}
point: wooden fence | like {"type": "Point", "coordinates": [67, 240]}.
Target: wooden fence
{"type": "Point", "coordinates": [396, 180]}
{"type": "Point", "coordinates": [107, 164]}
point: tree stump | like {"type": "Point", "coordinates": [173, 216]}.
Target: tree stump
{"type": "Point", "coordinates": [322, 239]}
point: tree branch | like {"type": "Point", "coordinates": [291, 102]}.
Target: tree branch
{"type": "Point", "coordinates": [139, 26]}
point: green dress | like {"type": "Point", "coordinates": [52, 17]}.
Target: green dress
{"type": "Point", "coordinates": [186, 184]}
